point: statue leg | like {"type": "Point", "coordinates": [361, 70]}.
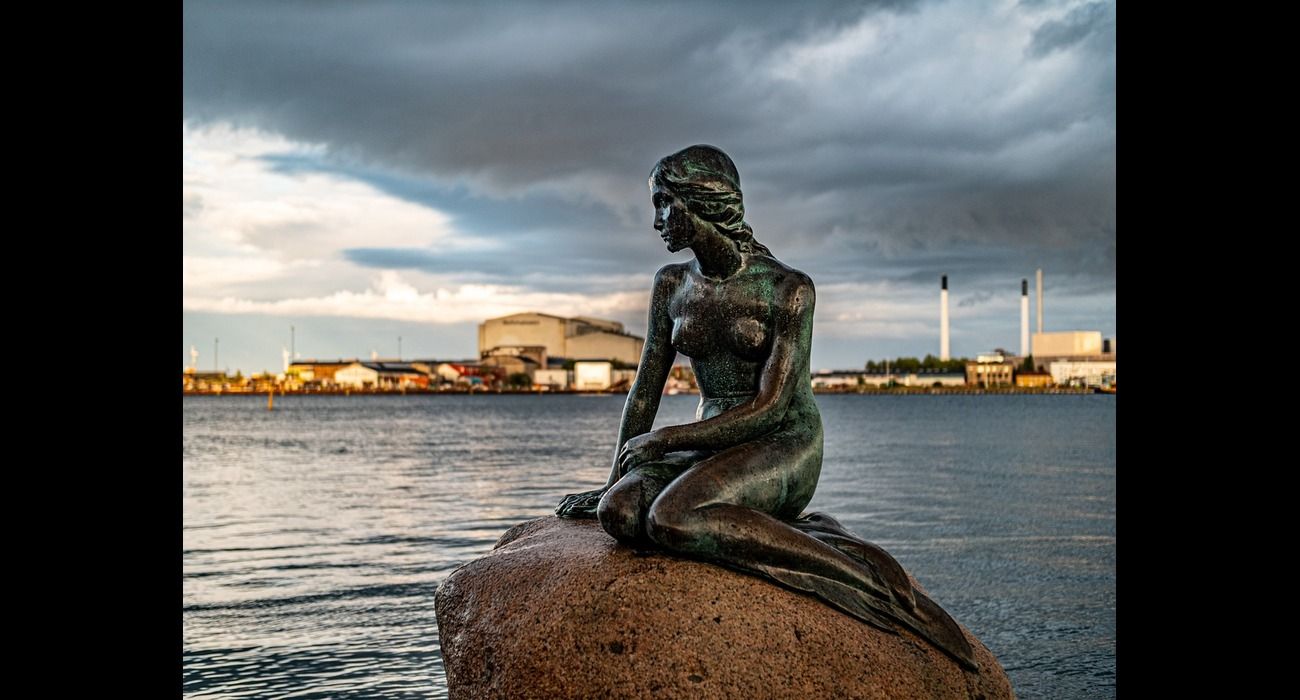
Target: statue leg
{"type": "Point", "coordinates": [737, 508]}
{"type": "Point", "coordinates": [622, 510]}
{"type": "Point", "coordinates": [729, 508]}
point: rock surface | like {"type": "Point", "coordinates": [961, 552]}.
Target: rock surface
{"type": "Point", "coordinates": [561, 610]}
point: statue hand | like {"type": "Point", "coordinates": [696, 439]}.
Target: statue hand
{"type": "Point", "coordinates": [580, 505]}
{"type": "Point", "coordinates": [639, 450]}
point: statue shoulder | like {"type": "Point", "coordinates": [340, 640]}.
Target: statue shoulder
{"type": "Point", "coordinates": [795, 288]}
{"type": "Point", "coordinates": [788, 278]}
{"type": "Point", "coordinates": [671, 274]}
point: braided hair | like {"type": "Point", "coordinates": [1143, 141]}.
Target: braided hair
{"type": "Point", "coordinates": [708, 183]}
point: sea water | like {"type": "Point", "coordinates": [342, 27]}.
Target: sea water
{"type": "Point", "coordinates": [316, 534]}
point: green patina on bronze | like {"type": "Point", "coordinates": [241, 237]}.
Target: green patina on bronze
{"type": "Point", "coordinates": [730, 487]}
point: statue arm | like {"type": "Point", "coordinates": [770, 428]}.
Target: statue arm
{"type": "Point", "coordinates": [784, 373]}
{"type": "Point", "coordinates": [656, 362]}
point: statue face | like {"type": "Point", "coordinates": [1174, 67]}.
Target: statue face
{"type": "Point", "coordinates": [675, 223]}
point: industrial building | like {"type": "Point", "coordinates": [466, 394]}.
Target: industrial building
{"type": "Point", "coordinates": [554, 339]}
{"type": "Point", "coordinates": [1067, 344]}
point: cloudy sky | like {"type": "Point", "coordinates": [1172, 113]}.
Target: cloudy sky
{"type": "Point", "coordinates": [364, 171]}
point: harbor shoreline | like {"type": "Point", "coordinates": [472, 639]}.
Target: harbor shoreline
{"type": "Point", "coordinates": [871, 391]}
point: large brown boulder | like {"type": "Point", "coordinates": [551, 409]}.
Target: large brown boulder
{"type": "Point", "coordinates": [561, 610]}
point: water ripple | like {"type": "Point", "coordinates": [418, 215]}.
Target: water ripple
{"type": "Point", "coordinates": [315, 535]}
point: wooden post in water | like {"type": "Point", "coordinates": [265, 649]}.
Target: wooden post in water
{"type": "Point", "coordinates": [270, 399]}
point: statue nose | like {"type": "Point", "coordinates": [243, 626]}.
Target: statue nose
{"type": "Point", "coordinates": [659, 224]}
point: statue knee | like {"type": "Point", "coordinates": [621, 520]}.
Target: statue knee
{"type": "Point", "coordinates": [618, 513]}
{"type": "Point", "coordinates": [673, 526]}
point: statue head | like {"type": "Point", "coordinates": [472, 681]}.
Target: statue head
{"type": "Point", "coordinates": [704, 179]}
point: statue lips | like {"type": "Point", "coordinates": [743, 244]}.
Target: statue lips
{"type": "Point", "coordinates": [678, 233]}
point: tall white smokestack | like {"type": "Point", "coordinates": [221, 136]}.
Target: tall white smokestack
{"type": "Point", "coordinates": [943, 318]}
{"type": "Point", "coordinates": [1040, 300]}
{"type": "Point", "coordinates": [1024, 318]}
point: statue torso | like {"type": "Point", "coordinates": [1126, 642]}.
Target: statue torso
{"type": "Point", "coordinates": [725, 326]}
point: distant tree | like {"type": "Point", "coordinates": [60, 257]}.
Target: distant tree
{"type": "Point", "coordinates": [907, 364]}
{"type": "Point", "coordinates": [1028, 364]}
{"type": "Point", "coordinates": [910, 364]}
{"type": "Point", "coordinates": [519, 380]}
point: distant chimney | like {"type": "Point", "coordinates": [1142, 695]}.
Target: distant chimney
{"type": "Point", "coordinates": [943, 318]}
{"type": "Point", "coordinates": [1040, 300]}
{"type": "Point", "coordinates": [1024, 318]}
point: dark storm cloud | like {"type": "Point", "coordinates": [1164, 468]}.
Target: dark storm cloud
{"type": "Point", "coordinates": [537, 124]}
{"type": "Point", "coordinates": [1074, 27]}
{"type": "Point", "coordinates": [507, 93]}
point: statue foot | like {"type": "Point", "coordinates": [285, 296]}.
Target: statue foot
{"type": "Point", "coordinates": [579, 505]}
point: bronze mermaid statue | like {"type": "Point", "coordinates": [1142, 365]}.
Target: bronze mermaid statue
{"type": "Point", "coordinates": [730, 487]}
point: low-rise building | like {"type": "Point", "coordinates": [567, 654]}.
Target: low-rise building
{"type": "Point", "coordinates": [831, 379]}
{"type": "Point", "coordinates": [507, 365]}
{"type": "Point", "coordinates": [933, 379]}
{"type": "Point", "coordinates": [844, 379]}
{"type": "Point", "coordinates": [381, 375]}
{"type": "Point", "coordinates": [989, 374]}
{"type": "Point", "coordinates": [554, 379]}
{"type": "Point", "coordinates": [1094, 374]}
{"type": "Point", "coordinates": [593, 376]}
{"type": "Point", "coordinates": [1033, 379]}
{"type": "Point", "coordinates": [193, 380]}
{"type": "Point", "coordinates": [318, 371]}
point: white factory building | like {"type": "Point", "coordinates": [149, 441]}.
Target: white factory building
{"type": "Point", "coordinates": [1076, 358]}
{"type": "Point", "coordinates": [1067, 344]}
{"type": "Point", "coordinates": [1094, 373]}
{"type": "Point", "coordinates": [579, 338]}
